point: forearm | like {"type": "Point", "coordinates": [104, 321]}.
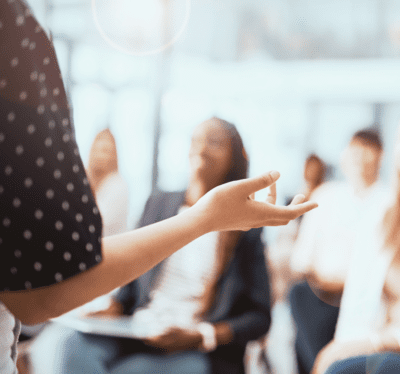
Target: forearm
{"type": "Point", "coordinates": [125, 257]}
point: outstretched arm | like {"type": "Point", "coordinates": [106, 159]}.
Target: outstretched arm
{"type": "Point", "coordinates": [127, 256]}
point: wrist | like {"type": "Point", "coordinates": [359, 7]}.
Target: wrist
{"type": "Point", "coordinates": [201, 219]}
{"type": "Point", "coordinates": [209, 336]}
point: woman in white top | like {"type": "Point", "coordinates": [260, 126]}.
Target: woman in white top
{"type": "Point", "coordinates": [367, 336]}
{"type": "Point", "coordinates": [53, 258]}
{"type": "Point", "coordinates": [109, 187]}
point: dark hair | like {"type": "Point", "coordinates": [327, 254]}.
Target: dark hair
{"type": "Point", "coordinates": [239, 163]}
{"type": "Point", "coordinates": [322, 167]}
{"type": "Point", "coordinates": [369, 137]}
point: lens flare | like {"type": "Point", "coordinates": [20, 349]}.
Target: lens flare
{"type": "Point", "coordinates": [138, 27]}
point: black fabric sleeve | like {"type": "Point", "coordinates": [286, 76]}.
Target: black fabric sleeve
{"type": "Point", "coordinates": [251, 314]}
{"type": "Point", "coordinates": [50, 226]}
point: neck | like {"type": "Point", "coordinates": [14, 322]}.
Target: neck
{"type": "Point", "coordinates": [309, 189]}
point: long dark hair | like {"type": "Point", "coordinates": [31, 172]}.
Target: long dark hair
{"type": "Point", "coordinates": [239, 163]}
{"type": "Point", "coordinates": [227, 240]}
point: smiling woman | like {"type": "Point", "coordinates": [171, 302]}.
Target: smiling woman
{"type": "Point", "coordinates": [183, 307]}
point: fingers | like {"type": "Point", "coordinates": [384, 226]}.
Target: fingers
{"type": "Point", "coordinates": [271, 198]}
{"type": "Point", "coordinates": [300, 209]}
{"type": "Point", "coordinates": [278, 222]}
{"type": "Point", "coordinates": [285, 213]}
{"type": "Point", "coordinates": [255, 184]}
{"type": "Point", "coordinates": [298, 199]}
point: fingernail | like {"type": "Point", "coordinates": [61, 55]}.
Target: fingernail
{"type": "Point", "coordinates": [275, 174]}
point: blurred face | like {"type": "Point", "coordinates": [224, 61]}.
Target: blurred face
{"type": "Point", "coordinates": [210, 152]}
{"type": "Point", "coordinates": [312, 172]}
{"type": "Point", "coordinates": [103, 154]}
{"type": "Point", "coordinates": [361, 162]}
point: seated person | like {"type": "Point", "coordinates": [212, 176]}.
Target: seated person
{"type": "Point", "coordinates": [109, 187]}
{"type": "Point", "coordinates": [367, 336]}
{"type": "Point", "coordinates": [325, 242]}
{"type": "Point", "coordinates": [201, 305]}
{"type": "Point", "coordinates": [279, 253]}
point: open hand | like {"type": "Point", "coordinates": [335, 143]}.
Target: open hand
{"type": "Point", "coordinates": [176, 339]}
{"type": "Point", "coordinates": [231, 206]}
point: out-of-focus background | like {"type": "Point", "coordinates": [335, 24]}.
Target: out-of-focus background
{"type": "Point", "coordinates": [295, 76]}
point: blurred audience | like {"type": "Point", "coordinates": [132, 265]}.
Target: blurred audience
{"type": "Point", "coordinates": [279, 254]}
{"type": "Point", "coordinates": [325, 243]}
{"type": "Point", "coordinates": [201, 305]}
{"type": "Point", "coordinates": [280, 340]}
{"type": "Point", "coordinates": [367, 336]}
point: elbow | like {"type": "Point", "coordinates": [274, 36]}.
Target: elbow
{"type": "Point", "coordinates": [38, 312]}
{"type": "Point", "coordinates": [33, 311]}
{"type": "Point", "coordinates": [33, 319]}
{"type": "Point", "coordinates": [31, 315]}
{"type": "Point", "coordinates": [31, 307]}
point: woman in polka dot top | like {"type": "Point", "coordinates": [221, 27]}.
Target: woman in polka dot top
{"type": "Point", "coordinates": [52, 255]}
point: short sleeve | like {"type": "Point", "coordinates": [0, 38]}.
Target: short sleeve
{"type": "Point", "coordinates": [50, 226]}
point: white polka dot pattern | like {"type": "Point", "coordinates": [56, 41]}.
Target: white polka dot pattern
{"type": "Point", "coordinates": [31, 129]}
{"type": "Point", "coordinates": [49, 194]}
{"type": "Point", "coordinates": [38, 214]}
{"type": "Point", "coordinates": [27, 235]}
{"type": "Point", "coordinates": [28, 182]}
{"type": "Point", "coordinates": [60, 156]}
{"type": "Point", "coordinates": [49, 221]}
{"type": "Point", "coordinates": [19, 150]}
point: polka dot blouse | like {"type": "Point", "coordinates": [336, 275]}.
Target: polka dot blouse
{"type": "Point", "coordinates": [50, 226]}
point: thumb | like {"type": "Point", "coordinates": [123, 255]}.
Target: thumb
{"type": "Point", "coordinates": [298, 199]}
{"type": "Point", "coordinates": [255, 184]}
